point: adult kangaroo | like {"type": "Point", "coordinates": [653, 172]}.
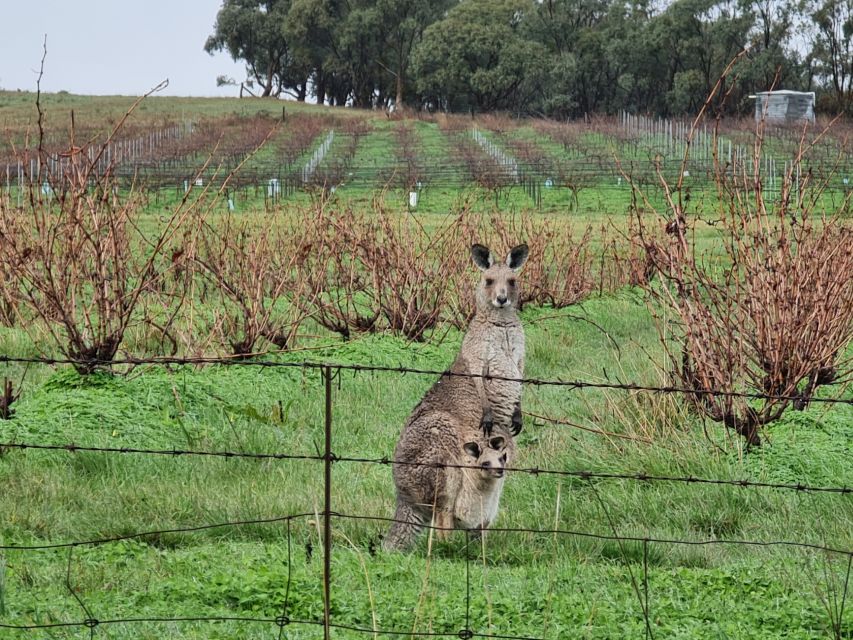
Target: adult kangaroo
{"type": "Point", "coordinates": [455, 421]}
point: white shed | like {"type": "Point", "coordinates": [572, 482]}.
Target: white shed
{"type": "Point", "coordinates": [784, 106]}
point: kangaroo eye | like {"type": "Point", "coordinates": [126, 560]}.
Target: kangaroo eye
{"type": "Point", "coordinates": [489, 282]}
{"type": "Point", "coordinates": [503, 458]}
{"type": "Point", "coordinates": [511, 282]}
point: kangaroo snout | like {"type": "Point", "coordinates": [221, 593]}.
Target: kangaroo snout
{"type": "Point", "coordinates": [496, 471]}
{"type": "Point", "coordinates": [492, 459]}
{"type": "Point", "coordinates": [493, 470]}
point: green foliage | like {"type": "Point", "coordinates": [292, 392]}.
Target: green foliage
{"type": "Point", "coordinates": [831, 49]}
{"type": "Point", "coordinates": [828, 441]}
{"type": "Point", "coordinates": [561, 57]}
{"type": "Point", "coordinates": [403, 23]}
{"type": "Point", "coordinates": [253, 31]}
{"type": "Point", "coordinates": [477, 58]}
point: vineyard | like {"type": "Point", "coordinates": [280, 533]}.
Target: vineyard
{"type": "Point", "coordinates": [214, 323]}
{"type": "Point", "coordinates": [541, 165]}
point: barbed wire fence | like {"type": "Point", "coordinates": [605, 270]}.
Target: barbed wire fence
{"type": "Point", "coordinates": [465, 629]}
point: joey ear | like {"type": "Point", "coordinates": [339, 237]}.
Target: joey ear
{"type": "Point", "coordinates": [517, 257]}
{"type": "Point", "coordinates": [472, 449]}
{"type": "Point", "coordinates": [482, 256]}
{"type": "Point", "coordinates": [497, 442]}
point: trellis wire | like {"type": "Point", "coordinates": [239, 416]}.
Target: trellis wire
{"type": "Point", "coordinates": [135, 161]}
{"type": "Point", "coordinates": [506, 162]}
{"type": "Point", "coordinates": [315, 160]}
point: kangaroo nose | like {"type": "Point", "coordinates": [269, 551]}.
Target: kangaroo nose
{"type": "Point", "coordinates": [501, 299]}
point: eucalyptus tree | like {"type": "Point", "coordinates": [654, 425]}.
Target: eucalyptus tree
{"type": "Point", "coordinates": [695, 40]}
{"type": "Point", "coordinates": [569, 30]}
{"type": "Point", "coordinates": [311, 27]}
{"type": "Point", "coordinates": [253, 31]}
{"type": "Point", "coordinates": [403, 23]}
{"type": "Point", "coordinates": [773, 60]}
{"type": "Point", "coordinates": [479, 58]}
{"type": "Point", "coordinates": [831, 52]}
{"type": "Point", "coordinates": [358, 42]}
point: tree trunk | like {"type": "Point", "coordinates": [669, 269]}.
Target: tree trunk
{"type": "Point", "coordinates": [320, 87]}
{"type": "Point", "coordinates": [268, 84]}
{"type": "Point", "coordinates": [341, 96]}
{"type": "Point", "coordinates": [398, 100]}
{"type": "Point", "coordinates": [363, 99]}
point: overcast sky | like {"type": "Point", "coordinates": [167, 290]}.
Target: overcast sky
{"type": "Point", "coordinates": [113, 47]}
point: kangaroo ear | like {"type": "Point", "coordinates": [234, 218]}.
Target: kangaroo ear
{"type": "Point", "coordinates": [497, 443]}
{"type": "Point", "coordinates": [482, 256]}
{"type": "Point", "coordinates": [517, 257]}
{"type": "Point", "coordinates": [472, 449]}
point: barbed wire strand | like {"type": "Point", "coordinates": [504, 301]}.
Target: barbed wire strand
{"type": "Point", "coordinates": [840, 616]}
{"type": "Point", "coordinates": [153, 619]}
{"type": "Point", "coordinates": [582, 474]}
{"type": "Point", "coordinates": [646, 611]}
{"type": "Point", "coordinates": [173, 453]}
{"type": "Point", "coordinates": [90, 621]}
{"type": "Point", "coordinates": [389, 520]}
{"type": "Point", "coordinates": [614, 538]}
{"type": "Point", "coordinates": [283, 620]}
{"type": "Point", "coordinates": [93, 542]}
{"type": "Point", "coordinates": [466, 632]}
{"type": "Point", "coordinates": [570, 384]}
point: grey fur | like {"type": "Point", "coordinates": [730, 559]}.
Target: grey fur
{"type": "Point", "coordinates": [459, 412]}
{"type": "Point", "coordinates": [447, 497]}
{"type": "Point", "coordinates": [494, 342]}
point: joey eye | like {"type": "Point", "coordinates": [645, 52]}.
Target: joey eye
{"type": "Point", "coordinates": [489, 282]}
{"type": "Point", "coordinates": [511, 282]}
{"type": "Point", "coordinates": [503, 458]}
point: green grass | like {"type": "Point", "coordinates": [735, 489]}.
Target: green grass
{"type": "Point", "coordinates": [542, 585]}
{"type": "Point", "coordinates": [549, 597]}
{"type": "Point", "coordinates": [19, 108]}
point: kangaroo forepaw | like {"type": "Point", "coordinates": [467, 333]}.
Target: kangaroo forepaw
{"type": "Point", "coordinates": [487, 422]}
{"type": "Point", "coordinates": [516, 425]}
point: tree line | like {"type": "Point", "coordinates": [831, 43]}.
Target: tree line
{"type": "Point", "coordinates": [558, 58]}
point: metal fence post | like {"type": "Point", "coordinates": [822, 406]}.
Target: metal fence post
{"type": "Point", "coordinates": [327, 509]}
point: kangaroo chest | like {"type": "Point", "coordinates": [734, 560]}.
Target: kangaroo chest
{"type": "Point", "coordinates": [499, 351]}
{"type": "Point", "coordinates": [477, 507]}
{"type": "Point", "coordinates": [504, 357]}
{"type": "Point", "coordinates": [504, 352]}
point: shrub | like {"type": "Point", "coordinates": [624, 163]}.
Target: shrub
{"type": "Point", "coordinates": [771, 315]}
